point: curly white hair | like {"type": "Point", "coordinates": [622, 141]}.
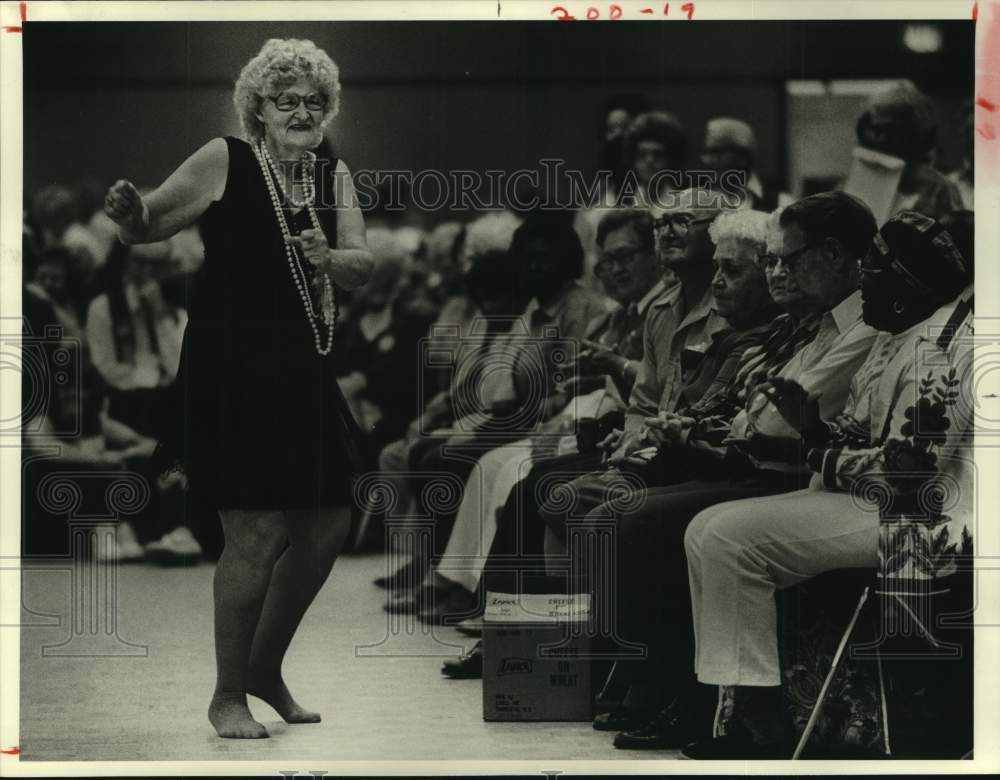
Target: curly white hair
{"type": "Point", "coordinates": [742, 225]}
{"type": "Point", "coordinates": [280, 63]}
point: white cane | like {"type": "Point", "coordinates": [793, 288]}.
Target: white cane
{"type": "Point", "coordinates": [834, 665]}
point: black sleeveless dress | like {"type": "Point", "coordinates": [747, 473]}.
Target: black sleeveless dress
{"type": "Point", "coordinates": [257, 420]}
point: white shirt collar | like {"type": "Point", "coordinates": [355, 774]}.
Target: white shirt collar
{"type": "Point", "coordinates": [847, 313]}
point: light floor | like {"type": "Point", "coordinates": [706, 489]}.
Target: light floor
{"type": "Point", "coordinates": [116, 707]}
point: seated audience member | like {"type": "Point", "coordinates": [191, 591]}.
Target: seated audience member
{"type": "Point", "coordinates": [631, 278]}
{"type": "Point", "coordinates": [378, 346]}
{"type": "Point", "coordinates": [491, 297]}
{"type": "Point", "coordinates": [900, 121]}
{"type": "Point", "coordinates": [619, 113]}
{"type": "Point", "coordinates": [811, 270]}
{"type": "Point", "coordinates": [547, 259]}
{"type": "Point", "coordinates": [65, 425]}
{"type": "Point", "coordinates": [740, 552]}
{"type": "Point", "coordinates": [414, 297]}
{"type": "Point", "coordinates": [655, 147]}
{"type": "Point", "coordinates": [135, 336]}
{"type": "Point", "coordinates": [673, 341]}
{"type": "Point", "coordinates": [51, 277]}
{"type": "Point", "coordinates": [49, 322]}
{"type": "Point", "coordinates": [731, 147]}
{"type": "Point", "coordinates": [56, 213]}
{"type": "Point", "coordinates": [53, 209]}
{"type": "Point", "coordinates": [683, 318]}
{"type": "Point", "coordinates": [187, 255]}
{"type": "Point", "coordinates": [440, 261]}
{"type": "Point", "coordinates": [444, 254]}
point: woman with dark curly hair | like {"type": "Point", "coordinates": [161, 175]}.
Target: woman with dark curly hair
{"type": "Point", "coordinates": [655, 146]}
{"type": "Point", "coordinates": [259, 424]}
{"type": "Point", "coordinates": [900, 121]}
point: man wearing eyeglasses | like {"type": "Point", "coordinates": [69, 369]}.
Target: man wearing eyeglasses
{"type": "Point", "coordinates": [678, 327]}
{"type": "Point", "coordinates": [687, 320]}
{"type": "Point", "coordinates": [810, 264]}
{"type": "Point", "coordinates": [813, 254]}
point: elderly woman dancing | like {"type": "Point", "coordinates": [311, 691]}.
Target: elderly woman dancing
{"type": "Point", "coordinates": [259, 425]}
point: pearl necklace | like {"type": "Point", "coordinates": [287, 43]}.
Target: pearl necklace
{"type": "Point", "coordinates": [330, 307]}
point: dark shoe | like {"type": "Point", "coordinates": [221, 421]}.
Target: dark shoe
{"type": "Point", "coordinates": [670, 729]}
{"type": "Point", "coordinates": [447, 607]}
{"type": "Point", "coordinates": [412, 603]}
{"type": "Point", "coordinates": [619, 719]}
{"type": "Point", "coordinates": [738, 745]}
{"type": "Point", "coordinates": [465, 667]}
{"type": "Point", "coordinates": [406, 577]}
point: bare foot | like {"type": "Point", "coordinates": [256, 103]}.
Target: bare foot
{"type": "Point", "coordinates": [231, 717]}
{"type": "Point", "coordinates": [275, 693]}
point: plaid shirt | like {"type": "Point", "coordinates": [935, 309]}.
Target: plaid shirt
{"type": "Point", "coordinates": [777, 343]}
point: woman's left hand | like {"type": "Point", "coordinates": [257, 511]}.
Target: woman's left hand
{"type": "Point", "coordinates": [314, 246]}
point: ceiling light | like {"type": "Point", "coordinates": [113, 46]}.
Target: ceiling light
{"type": "Point", "coordinates": [922, 38]}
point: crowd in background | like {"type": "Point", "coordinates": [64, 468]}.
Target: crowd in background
{"type": "Point", "coordinates": [700, 339]}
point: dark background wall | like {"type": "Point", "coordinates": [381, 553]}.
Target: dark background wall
{"type": "Point", "coordinates": [130, 100]}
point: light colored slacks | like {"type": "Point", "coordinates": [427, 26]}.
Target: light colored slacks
{"type": "Point", "coordinates": [486, 492]}
{"type": "Point", "coordinates": [740, 552]}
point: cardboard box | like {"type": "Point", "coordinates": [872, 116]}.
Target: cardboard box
{"type": "Point", "coordinates": [532, 664]}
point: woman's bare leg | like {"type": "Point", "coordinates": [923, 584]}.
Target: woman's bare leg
{"type": "Point", "coordinates": [254, 540]}
{"type": "Point", "coordinates": [315, 539]}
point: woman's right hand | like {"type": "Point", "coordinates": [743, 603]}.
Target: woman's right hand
{"type": "Point", "coordinates": [123, 204]}
{"type": "Point", "coordinates": [794, 403]}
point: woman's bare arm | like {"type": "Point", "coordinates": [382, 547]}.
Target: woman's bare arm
{"type": "Point", "coordinates": [175, 204]}
{"type": "Point", "coordinates": [352, 263]}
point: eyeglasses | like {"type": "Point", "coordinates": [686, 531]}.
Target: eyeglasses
{"type": "Point", "coordinates": [868, 268]}
{"type": "Point", "coordinates": [289, 101]}
{"type": "Point", "coordinates": [623, 259]}
{"type": "Point", "coordinates": [769, 261]}
{"type": "Point", "coordinates": [681, 223]}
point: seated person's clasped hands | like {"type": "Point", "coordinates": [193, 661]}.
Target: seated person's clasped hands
{"type": "Point", "coordinates": [666, 429]}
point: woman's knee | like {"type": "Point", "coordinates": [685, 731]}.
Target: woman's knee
{"type": "Point", "coordinates": [318, 534]}
{"type": "Point", "coordinates": [254, 535]}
